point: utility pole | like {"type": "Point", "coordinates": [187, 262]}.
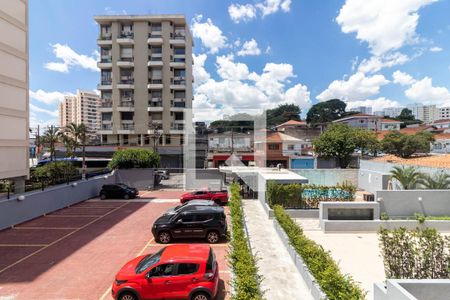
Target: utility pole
{"type": "Point", "coordinates": [51, 143]}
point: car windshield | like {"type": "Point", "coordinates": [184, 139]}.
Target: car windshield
{"type": "Point", "coordinates": [149, 261]}
{"type": "Point", "coordinates": [123, 185]}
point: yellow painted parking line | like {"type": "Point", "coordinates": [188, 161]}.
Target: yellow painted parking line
{"type": "Point", "coordinates": [108, 290]}
{"type": "Point", "coordinates": [58, 240]}
{"type": "Point", "coordinates": [23, 245]}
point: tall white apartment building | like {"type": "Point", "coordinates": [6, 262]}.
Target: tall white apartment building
{"type": "Point", "coordinates": [146, 79]}
{"type": "Point", "coordinates": [81, 108]}
{"type": "Point", "coordinates": [363, 109]}
{"type": "Point", "coordinates": [426, 113]}
{"type": "Point", "coordinates": [444, 113]}
{"type": "Point", "coordinates": [14, 108]}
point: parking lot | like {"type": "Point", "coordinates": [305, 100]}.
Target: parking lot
{"type": "Point", "coordinates": [74, 253]}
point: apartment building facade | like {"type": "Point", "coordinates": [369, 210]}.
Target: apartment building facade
{"type": "Point", "coordinates": [363, 109]}
{"type": "Point", "coordinates": [146, 80]}
{"type": "Point", "coordinates": [14, 103]}
{"type": "Point", "coordinates": [82, 108]}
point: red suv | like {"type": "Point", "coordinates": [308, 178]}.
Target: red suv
{"type": "Point", "coordinates": [220, 197]}
{"type": "Point", "coordinates": [174, 272]}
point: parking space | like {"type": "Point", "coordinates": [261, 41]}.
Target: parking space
{"type": "Point", "coordinates": [74, 253]}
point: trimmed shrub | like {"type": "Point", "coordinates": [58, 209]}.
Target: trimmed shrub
{"type": "Point", "coordinates": [55, 172]}
{"type": "Point", "coordinates": [415, 254]}
{"type": "Point", "coordinates": [134, 158]}
{"type": "Point", "coordinates": [307, 195]}
{"type": "Point", "coordinates": [325, 270]}
{"type": "Point", "coordinates": [246, 281]}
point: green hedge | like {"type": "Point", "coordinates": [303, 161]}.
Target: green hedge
{"type": "Point", "coordinates": [307, 195]}
{"type": "Point", "coordinates": [134, 158]}
{"type": "Point", "coordinates": [246, 281]}
{"type": "Point", "coordinates": [325, 270]}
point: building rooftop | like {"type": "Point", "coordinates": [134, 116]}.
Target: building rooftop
{"type": "Point", "coordinates": [278, 137]}
{"type": "Point", "coordinates": [358, 115]}
{"type": "Point", "coordinates": [443, 121]}
{"type": "Point", "coordinates": [385, 120]}
{"type": "Point", "coordinates": [435, 161]}
{"type": "Point", "coordinates": [292, 123]}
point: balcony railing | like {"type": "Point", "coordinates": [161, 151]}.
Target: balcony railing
{"type": "Point", "coordinates": [179, 36]}
{"type": "Point", "coordinates": [179, 104]}
{"type": "Point", "coordinates": [105, 37]}
{"type": "Point", "coordinates": [126, 80]}
{"type": "Point", "coordinates": [127, 126]}
{"type": "Point", "coordinates": [126, 59]}
{"type": "Point", "coordinates": [106, 82]}
{"type": "Point", "coordinates": [106, 127]}
{"type": "Point", "coordinates": [155, 81]}
{"type": "Point", "coordinates": [155, 34]}
{"type": "Point", "coordinates": [155, 58]}
{"type": "Point", "coordinates": [106, 103]}
{"type": "Point", "coordinates": [126, 34]}
{"type": "Point", "coordinates": [178, 81]}
{"type": "Point", "coordinates": [177, 127]}
{"type": "Point", "coordinates": [126, 103]}
{"type": "Point", "coordinates": [179, 59]}
{"type": "Point", "coordinates": [155, 103]}
{"type": "Point", "coordinates": [106, 59]}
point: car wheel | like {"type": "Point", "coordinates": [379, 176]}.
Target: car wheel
{"type": "Point", "coordinates": [201, 296]}
{"type": "Point", "coordinates": [212, 237]}
{"type": "Point", "coordinates": [127, 296]}
{"type": "Point", "coordinates": [102, 196]}
{"type": "Point", "coordinates": [164, 237]}
{"type": "Point", "coordinates": [126, 197]}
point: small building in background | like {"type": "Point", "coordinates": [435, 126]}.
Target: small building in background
{"type": "Point", "coordinates": [369, 122]}
{"type": "Point", "coordinates": [300, 130]}
{"type": "Point", "coordinates": [363, 109]}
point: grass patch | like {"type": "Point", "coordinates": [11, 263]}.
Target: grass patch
{"type": "Point", "coordinates": [325, 270]}
{"type": "Point", "coordinates": [246, 280]}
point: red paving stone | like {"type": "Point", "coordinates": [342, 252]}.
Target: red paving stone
{"type": "Point", "coordinates": [90, 211]}
{"type": "Point", "coordinates": [161, 194]}
{"type": "Point", "coordinates": [83, 264]}
{"type": "Point", "coordinates": [31, 236]}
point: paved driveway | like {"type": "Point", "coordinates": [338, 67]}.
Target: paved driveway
{"type": "Point", "coordinates": [74, 253]}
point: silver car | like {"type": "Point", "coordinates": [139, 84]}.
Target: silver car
{"type": "Point", "coordinates": [189, 205]}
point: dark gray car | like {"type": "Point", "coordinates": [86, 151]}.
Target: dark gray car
{"type": "Point", "coordinates": [189, 205]}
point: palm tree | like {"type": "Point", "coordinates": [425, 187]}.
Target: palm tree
{"type": "Point", "coordinates": [79, 135]}
{"type": "Point", "coordinates": [69, 144]}
{"type": "Point", "coordinates": [49, 139]}
{"type": "Point", "coordinates": [439, 181]}
{"type": "Point", "coordinates": [408, 177]}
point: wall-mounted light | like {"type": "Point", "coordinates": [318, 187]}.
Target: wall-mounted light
{"type": "Point", "coordinates": [379, 199]}
{"type": "Point", "coordinates": [21, 198]}
{"type": "Point", "coordinates": [74, 184]}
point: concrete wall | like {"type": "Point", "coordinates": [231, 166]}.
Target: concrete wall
{"type": "Point", "coordinates": [372, 180]}
{"type": "Point", "coordinates": [407, 203]}
{"type": "Point", "coordinates": [138, 178]}
{"type": "Point", "coordinates": [203, 178]}
{"type": "Point", "coordinates": [38, 203]}
{"type": "Point", "coordinates": [329, 177]}
{"type": "Point", "coordinates": [412, 289]}
{"type": "Point", "coordinates": [385, 167]}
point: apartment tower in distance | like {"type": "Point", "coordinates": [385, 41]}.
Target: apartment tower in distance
{"type": "Point", "coordinates": [14, 125]}
{"type": "Point", "coordinates": [146, 82]}
{"type": "Point", "coordinates": [81, 108]}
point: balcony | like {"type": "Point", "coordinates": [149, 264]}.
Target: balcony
{"type": "Point", "coordinates": [106, 105]}
{"type": "Point", "coordinates": [178, 83]}
{"type": "Point", "coordinates": [126, 127]}
{"type": "Point", "coordinates": [179, 61]}
{"type": "Point", "coordinates": [178, 106]}
{"type": "Point", "coordinates": [155, 60]}
{"type": "Point", "coordinates": [178, 39]}
{"type": "Point", "coordinates": [126, 105]}
{"type": "Point", "coordinates": [126, 82]}
{"type": "Point", "coordinates": [105, 62]}
{"type": "Point", "coordinates": [155, 105]}
{"type": "Point", "coordinates": [177, 128]}
{"type": "Point", "coordinates": [105, 85]}
{"type": "Point", "coordinates": [155, 84]}
{"type": "Point", "coordinates": [105, 128]}
{"type": "Point", "coordinates": [126, 38]}
{"type": "Point", "coordinates": [126, 62]}
{"type": "Point", "coordinates": [104, 40]}
{"type": "Point", "coordinates": [155, 38]}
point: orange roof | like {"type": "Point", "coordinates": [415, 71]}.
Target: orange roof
{"type": "Point", "coordinates": [442, 136]}
{"type": "Point", "coordinates": [278, 137]}
{"type": "Point", "coordinates": [292, 123]}
{"type": "Point", "coordinates": [384, 120]}
{"type": "Point", "coordinates": [442, 121]}
{"type": "Point", "coordinates": [273, 137]}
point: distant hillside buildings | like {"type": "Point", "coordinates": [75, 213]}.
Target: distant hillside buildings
{"type": "Point", "coordinates": [81, 108]}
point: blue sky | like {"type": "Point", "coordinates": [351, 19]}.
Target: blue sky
{"type": "Point", "coordinates": [260, 53]}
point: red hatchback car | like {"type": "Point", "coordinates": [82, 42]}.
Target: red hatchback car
{"type": "Point", "coordinates": [219, 197]}
{"type": "Point", "coordinates": [174, 272]}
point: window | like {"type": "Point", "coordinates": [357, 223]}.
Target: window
{"type": "Point", "coordinates": [186, 218]}
{"type": "Point", "coordinates": [167, 139]}
{"type": "Point", "coordinates": [290, 147]}
{"type": "Point", "coordinates": [179, 73]}
{"type": "Point", "coordinates": [179, 51]}
{"type": "Point", "coordinates": [149, 261]}
{"type": "Point", "coordinates": [180, 95]}
{"type": "Point", "coordinates": [156, 74]}
{"type": "Point", "coordinates": [127, 116]}
{"type": "Point", "coordinates": [202, 218]}
{"type": "Point", "coordinates": [162, 270]}
{"type": "Point", "coordinates": [126, 52]}
{"type": "Point", "coordinates": [274, 146]}
{"type": "Point", "coordinates": [211, 263]}
{"type": "Point", "coordinates": [187, 269]}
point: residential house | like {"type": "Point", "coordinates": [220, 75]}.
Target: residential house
{"type": "Point", "coordinates": [369, 122]}
{"type": "Point", "coordinates": [299, 129]}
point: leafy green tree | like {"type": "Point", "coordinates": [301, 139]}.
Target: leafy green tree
{"type": "Point", "coordinates": [408, 177]}
{"type": "Point", "coordinates": [79, 136]}
{"type": "Point", "coordinates": [407, 118]}
{"type": "Point", "coordinates": [366, 141]}
{"type": "Point", "coordinates": [404, 146]}
{"type": "Point", "coordinates": [134, 158]}
{"type": "Point", "coordinates": [49, 139]}
{"type": "Point", "coordinates": [437, 181]}
{"type": "Point", "coordinates": [327, 111]}
{"type": "Point", "coordinates": [69, 144]}
{"type": "Point", "coordinates": [282, 113]}
{"type": "Point", "coordinates": [339, 141]}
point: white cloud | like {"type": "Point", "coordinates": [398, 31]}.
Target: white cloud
{"type": "Point", "coordinates": [269, 7]}
{"type": "Point", "coordinates": [37, 109]}
{"type": "Point", "coordinates": [48, 97]}
{"type": "Point", "coordinates": [198, 69]}
{"type": "Point", "coordinates": [376, 104]}
{"type": "Point", "coordinates": [247, 12]}
{"type": "Point", "coordinates": [229, 70]}
{"type": "Point", "coordinates": [402, 78]}
{"type": "Point", "coordinates": [268, 50]}
{"type": "Point", "coordinates": [424, 91]}
{"type": "Point", "coordinates": [356, 88]}
{"type": "Point", "coordinates": [376, 63]}
{"type": "Point", "coordinates": [273, 79]}
{"type": "Point", "coordinates": [436, 49]}
{"type": "Point", "coordinates": [70, 58]}
{"type": "Point", "coordinates": [210, 35]}
{"type": "Point", "coordinates": [35, 121]}
{"type": "Point", "coordinates": [249, 48]}
{"type": "Point", "coordinates": [384, 24]}
{"type": "Point", "coordinates": [299, 95]}
{"type": "Point", "coordinates": [241, 12]}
